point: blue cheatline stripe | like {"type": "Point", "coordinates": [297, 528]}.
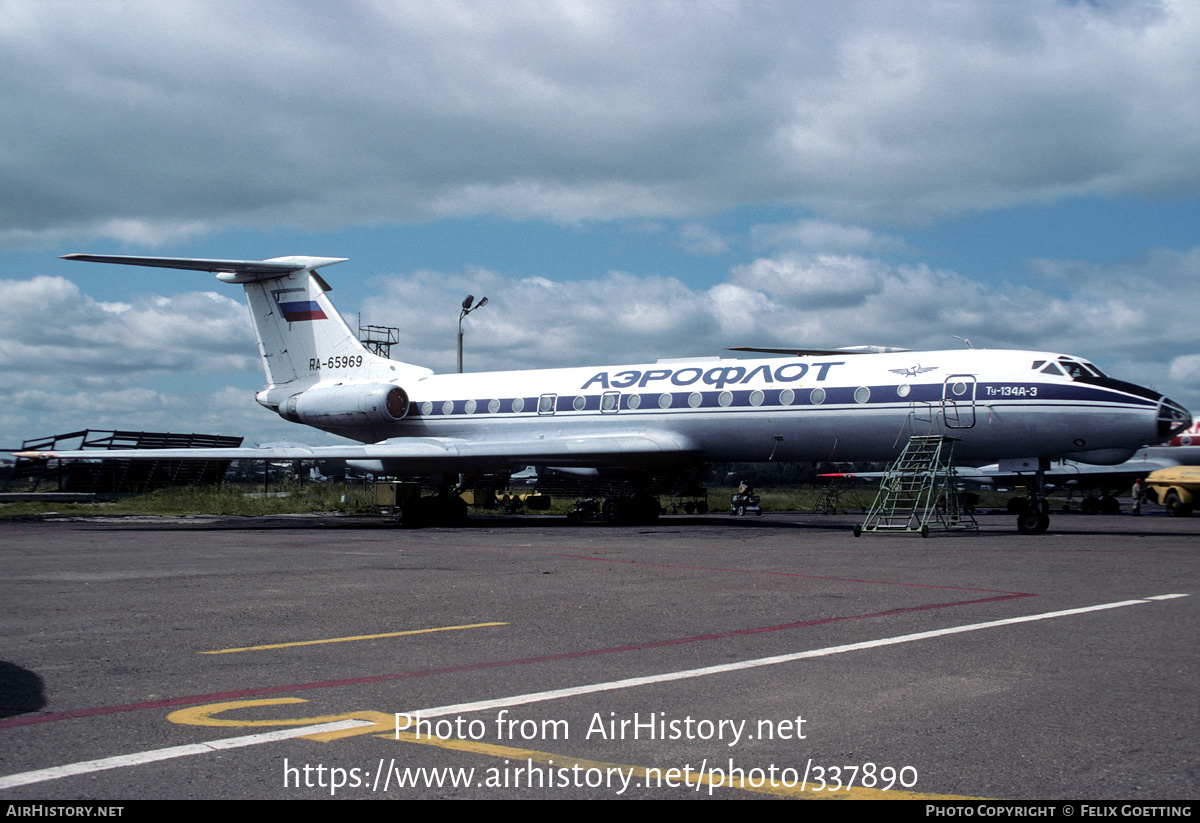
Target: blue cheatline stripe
{"type": "Point", "coordinates": [881, 397]}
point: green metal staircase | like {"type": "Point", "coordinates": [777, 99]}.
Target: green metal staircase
{"type": "Point", "coordinates": [918, 492]}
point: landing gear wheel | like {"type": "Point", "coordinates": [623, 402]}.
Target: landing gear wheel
{"type": "Point", "coordinates": [1033, 522]}
{"type": "Point", "coordinates": [614, 510]}
{"type": "Point", "coordinates": [1109, 505]}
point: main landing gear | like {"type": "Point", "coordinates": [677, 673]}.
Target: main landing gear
{"type": "Point", "coordinates": [638, 509]}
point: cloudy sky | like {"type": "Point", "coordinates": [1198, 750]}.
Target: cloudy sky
{"type": "Point", "coordinates": [623, 180]}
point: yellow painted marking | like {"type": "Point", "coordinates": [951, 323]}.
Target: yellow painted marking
{"type": "Point", "coordinates": [347, 639]}
{"type": "Point", "coordinates": [658, 777]}
{"type": "Point", "coordinates": [203, 716]}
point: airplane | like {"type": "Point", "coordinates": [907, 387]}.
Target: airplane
{"type": "Point", "coordinates": [663, 419]}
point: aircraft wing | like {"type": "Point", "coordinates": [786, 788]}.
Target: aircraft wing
{"type": "Point", "coordinates": [429, 455]}
{"type": "Point", "coordinates": [1069, 473]}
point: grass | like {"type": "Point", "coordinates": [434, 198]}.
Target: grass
{"type": "Point", "coordinates": [247, 501]}
{"type": "Point", "coordinates": [224, 498]}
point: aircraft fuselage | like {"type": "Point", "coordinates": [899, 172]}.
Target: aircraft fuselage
{"type": "Point", "coordinates": [851, 408]}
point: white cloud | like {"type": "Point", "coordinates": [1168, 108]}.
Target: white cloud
{"type": "Point", "coordinates": [825, 236]}
{"type": "Point", "coordinates": [696, 238]}
{"type": "Point", "coordinates": [1185, 369]}
{"type": "Point", "coordinates": [811, 282]}
{"type": "Point", "coordinates": [50, 332]}
{"type": "Point", "coordinates": [153, 125]}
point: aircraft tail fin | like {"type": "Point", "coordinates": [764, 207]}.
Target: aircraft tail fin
{"type": "Point", "coordinates": [302, 338]}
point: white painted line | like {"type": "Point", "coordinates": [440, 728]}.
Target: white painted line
{"type": "Point", "coordinates": [56, 772]}
{"type": "Point", "coordinates": [25, 778]}
{"type": "Point", "coordinates": [539, 697]}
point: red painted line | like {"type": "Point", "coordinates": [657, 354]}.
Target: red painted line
{"type": "Point", "coordinates": [381, 678]}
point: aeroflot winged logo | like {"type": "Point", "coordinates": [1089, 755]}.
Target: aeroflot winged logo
{"type": "Point", "coordinates": [295, 307]}
{"type": "Point", "coordinates": [913, 371]}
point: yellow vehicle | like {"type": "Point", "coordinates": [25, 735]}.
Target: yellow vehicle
{"type": "Point", "coordinates": [1176, 488]}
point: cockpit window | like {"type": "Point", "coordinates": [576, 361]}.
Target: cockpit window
{"type": "Point", "coordinates": [1050, 368]}
{"type": "Point", "coordinates": [1079, 369]}
{"type": "Point", "coordinates": [1037, 364]}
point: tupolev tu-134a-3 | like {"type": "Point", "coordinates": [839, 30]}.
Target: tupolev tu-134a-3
{"type": "Point", "coordinates": [666, 418]}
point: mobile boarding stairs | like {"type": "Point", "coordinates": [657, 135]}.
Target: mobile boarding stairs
{"type": "Point", "coordinates": [918, 492]}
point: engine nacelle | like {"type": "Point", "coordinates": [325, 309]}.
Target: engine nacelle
{"type": "Point", "coordinates": [1102, 457]}
{"type": "Point", "coordinates": [347, 406]}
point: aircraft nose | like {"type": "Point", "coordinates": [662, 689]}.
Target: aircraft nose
{"type": "Point", "coordinates": [1172, 418]}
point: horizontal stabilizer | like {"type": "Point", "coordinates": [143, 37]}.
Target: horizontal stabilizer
{"type": "Point", "coordinates": [257, 269]}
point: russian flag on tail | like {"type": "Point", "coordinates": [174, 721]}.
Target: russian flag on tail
{"type": "Point", "coordinates": [297, 311]}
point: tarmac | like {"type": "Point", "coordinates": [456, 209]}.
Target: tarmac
{"type": "Point", "coordinates": [207, 657]}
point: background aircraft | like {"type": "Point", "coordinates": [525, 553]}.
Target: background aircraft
{"type": "Point", "coordinates": [1109, 482]}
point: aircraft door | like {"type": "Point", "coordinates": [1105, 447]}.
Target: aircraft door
{"type": "Point", "coordinates": [958, 401]}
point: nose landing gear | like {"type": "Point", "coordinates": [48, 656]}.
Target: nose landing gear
{"type": "Point", "coordinates": [1035, 519]}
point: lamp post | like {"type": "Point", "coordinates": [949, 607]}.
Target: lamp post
{"type": "Point", "coordinates": [467, 308]}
